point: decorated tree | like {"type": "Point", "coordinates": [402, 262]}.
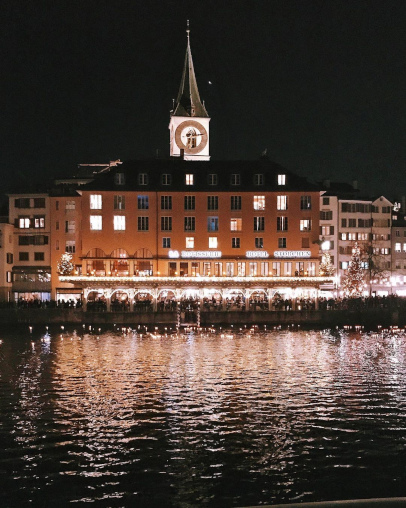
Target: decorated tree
{"type": "Point", "coordinates": [65, 265]}
{"type": "Point", "coordinates": [353, 282]}
{"type": "Point", "coordinates": [326, 268]}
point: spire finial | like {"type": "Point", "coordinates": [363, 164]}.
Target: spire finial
{"type": "Point", "coordinates": [187, 29]}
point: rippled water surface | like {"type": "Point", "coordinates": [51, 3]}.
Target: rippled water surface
{"type": "Point", "coordinates": [212, 419]}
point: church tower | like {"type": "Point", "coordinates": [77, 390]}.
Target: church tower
{"type": "Point", "coordinates": [189, 123]}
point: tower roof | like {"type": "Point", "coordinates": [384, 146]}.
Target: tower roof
{"type": "Point", "coordinates": [188, 102]}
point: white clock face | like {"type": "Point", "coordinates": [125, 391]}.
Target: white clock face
{"type": "Point", "coordinates": [191, 136]}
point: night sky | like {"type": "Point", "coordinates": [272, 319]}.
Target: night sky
{"type": "Point", "coordinates": [319, 84]}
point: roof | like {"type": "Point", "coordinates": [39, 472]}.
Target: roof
{"type": "Point", "coordinates": [188, 102]}
{"type": "Point", "coordinates": [177, 168]}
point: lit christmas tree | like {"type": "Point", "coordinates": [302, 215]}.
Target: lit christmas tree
{"type": "Point", "coordinates": [353, 283]}
{"type": "Point", "coordinates": [65, 265]}
{"type": "Point", "coordinates": [326, 268]}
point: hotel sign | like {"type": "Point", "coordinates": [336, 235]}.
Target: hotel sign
{"type": "Point", "coordinates": [257, 254]}
{"type": "Point", "coordinates": [292, 254]}
{"type": "Point", "coordinates": [190, 254]}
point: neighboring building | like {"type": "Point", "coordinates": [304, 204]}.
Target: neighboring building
{"type": "Point", "coordinates": [380, 268]}
{"type": "Point", "coordinates": [398, 249]}
{"type": "Point", "coordinates": [6, 258]}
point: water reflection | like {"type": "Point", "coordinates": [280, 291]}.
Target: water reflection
{"type": "Point", "coordinates": [212, 419]}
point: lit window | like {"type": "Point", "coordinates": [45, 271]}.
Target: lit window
{"type": "Point", "coordinates": [95, 201]}
{"type": "Point", "coordinates": [235, 224]}
{"type": "Point", "coordinates": [96, 222]}
{"type": "Point", "coordinates": [70, 205]}
{"type": "Point", "coordinates": [229, 269]}
{"type": "Point", "coordinates": [70, 246]}
{"type": "Point", "coordinates": [344, 265]}
{"type": "Point", "coordinates": [24, 222]}
{"type": "Point", "coordinates": [404, 247]}
{"type": "Point", "coordinates": [259, 202]}
{"type": "Point", "coordinates": [212, 242]}
{"type": "Point", "coordinates": [253, 269]}
{"type": "Point", "coordinates": [281, 179]}
{"type": "Point", "coordinates": [119, 202]}
{"type": "Point", "coordinates": [190, 242]}
{"type": "Point", "coordinates": [305, 225]}
{"type": "Point", "coordinates": [189, 179]}
{"type": "Point", "coordinates": [282, 202]}
{"type": "Point", "coordinates": [70, 226]}
{"type": "Point", "coordinates": [119, 223]}
{"type": "Point", "coordinates": [241, 269]}
{"type": "Point", "coordinates": [398, 247]}
{"type": "Point", "coordinates": [264, 268]}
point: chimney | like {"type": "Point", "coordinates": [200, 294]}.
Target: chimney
{"type": "Point", "coordinates": [355, 184]}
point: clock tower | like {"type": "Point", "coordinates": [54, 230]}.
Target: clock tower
{"type": "Point", "coordinates": [189, 123]}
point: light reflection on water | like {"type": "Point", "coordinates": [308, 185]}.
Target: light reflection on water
{"type": "Point", "coordinates": [201, 420]}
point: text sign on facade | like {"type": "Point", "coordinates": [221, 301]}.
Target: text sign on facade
{"type": "Point", "coordinates": [257, 254]}
{"type": "Point", "coordinates": [188, 254]}
{"type": "Point", "coordinates": [292, 254]}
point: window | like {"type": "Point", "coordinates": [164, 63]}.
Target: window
{"type": "Point", "coordinates": [143, 179]}
{"type": "Point", "coordinates": [9, 277]}
{"type": "Point", "coordinates": [56, 205]}
{"type": "Point", "coordinates": [343, 223]}
{"type": "Point", "coordinates": [311, 269]}
{"type": "Point", "coordinates": [281, 243]}
{"type": "Point", "coordinates": [305, 202]}
{"type": "Point", "coordinates": [166, 202]}
{"type": "Point", "coordinates": [69, 226]}
{"type": "Point", "coordinates": [326, 215]}
{"type": "Point", "coordinates": [235, 243]}
{"type": "Point", "coordinates": [281, 202]}
{"type": "Point", "coordinates": [24, 222]}
{"type": "Point", "coordinates": [259, 179]}
{"type": "Point", "coordinates": [235, 202]}
{"type": "Point", "coordinates": [206, 268]}
{"type": "Point", "coordinates": [190, 224]}
{"type": "Point", "coordinates": [235, 224]}
{"type": "Point", "coordinates": [212, 202]}
{"type": "Point", "coordinates": [190, 242]}
{"type": "Point", "coordinates": [352, 223]}
{"type": "Point", "coordinates": [397, 232]}
{"type": "Point", "coordinates": [23, 256]}
{"type": "Point", "coordinates": [352, 236]}
{"type": "Point", "coordinates": [166, 223]}
{"type": "Point", "coordinates": [264, 268]}
{"type": "Point", "coordinates": [39, 256]}
{"type": "Point", "coordinates": [143, 202]}
{"type": "Point", "coordinates": [70, 205]}
{"type": "Point", "coordinates": [213, 180]}
{"type": "Point", "coordinates": [166, 179]}
{"type": "Point", "coordinates": [235, 179]}
{"type": "Point", "coordinates": [229, 269]}
{"type": "Point", "coordinates": [276, 268]}
{"type": "Point", "coordinates": [326, 201]}
{"type": "Point", "coordinates": [166, 243]}
{"type": "Point", "coordinates": [281, 179]}
{"type": "Point", "coordinates": [39, 222]}
{"type": "Point", "coordinates": [190, 202]}
{"type": "Point", "coordinates": [10, 258]}
{"type": "Point", "coordinates": [119, 202]}
{"type": "Point", "coordinates": [287, 269]}
{"type": "Point", "coordinates": [326, 230]}
{"type": "Point", "coordinates": [96, 222]}
{"type": "Point", "coordinates": [305, 225]}
{"type": "Point", "coordinates": [241, 269]}
{"type": "Point", "coordinates": [189, 179]}
{"type": "Point", "coordinates": [143, 223]}
{"type": "Point", "coordinates": [119, 223]}
{"type": "Point", "coordinates": [259, 243]}
{"type": "Point", "coordinates": [259, 223]}
{"type": "Point", "coordinates": [95, 201]}
{"type": "Point", "coordinates": [212, 223]}
{"type": "Point", "coordinates": [212, 242]}
{"type": "Point", "coordinates": [253, 269]}
{"type": "Point", "coordinates": [22, 203]}
{"type": "Point", "coordinates": [39, 202]}
{"type": "Point", "coordinates": [70, 246]}
{"type": "Point", "coordinates": [404, 247]}
{"type": "Point", "coordinates": [282, 223]}
{"type": "Point", "coordinates": [195, 268]}
{"type": "Point", "coordinates": [398, 247]}
{"type": "Point", "coordinates": [259, 202]}
{"type": "Point", "coordinates": [119, 179]}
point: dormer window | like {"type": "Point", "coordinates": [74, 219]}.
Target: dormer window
{"type": "Point", "coordinates": [119, 179]}
{"type": "Point", "coordinates": [259, 179]}
{"type": "Point", "coordinates": [166, 179]}
{"type": "Point", "coordinates": [189, 179]}
{"type": "Point", "coordinates": [142, 179]}
{"type": "Point", "coordinates": [281, 179]}
{"type": "Point", "coordinates": [236, 179]}
{"type": "Point", "coordinates": [213, 180]}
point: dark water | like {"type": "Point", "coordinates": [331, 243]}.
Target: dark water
{"type": "Point", "coordinates": [201, 420]}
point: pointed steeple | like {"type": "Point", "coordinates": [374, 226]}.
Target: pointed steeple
{"type": "Point", "coordinates": [188, 102]}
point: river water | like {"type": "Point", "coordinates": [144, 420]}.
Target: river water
{"type": "Point", "coordinates": [212, 419]}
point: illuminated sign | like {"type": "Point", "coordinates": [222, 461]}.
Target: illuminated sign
{"type": "Point", "coordinates": [187, 254]}
{"type": "Point", "coordinates": [257, 254]}
{"type": "Point", "coordinates": [292, 254]}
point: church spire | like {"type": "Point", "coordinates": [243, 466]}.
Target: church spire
{"type": "Point", "coordinates": [188, 102]}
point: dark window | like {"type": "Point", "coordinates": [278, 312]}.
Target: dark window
{"type": "Point", "coordinates": [235, 243]}
{"type": "Point", "coordinates": [305, 202]}
{"type": "Point", "coordinates": [282, 243]}
{"type": "Point", "coordinates": [212, 223]}
{"type": "Point", "coordinates": [166, 223]}
{"type": "Point", "coordinates": [259, 243]}
{"type": "Point", "coordinates": [143, 223]}
{"type": "Point", "coordinates": [166, 202]}
{"type": "Point", "coordinates": [190, 202]}
{"type": "Point", "coordinates": [23, 256]}
{"type": "Point", "coordinates": [143, 202]}
{"type": "Point", "coordinates": [166, 243]}
{"type": "Point", "coordinates": [39, 256]}
{"type": "Point", "coordinates": [212, 202]}
{"type": "Point", "coordinates": [235, 202]}
{"type": "Point", "coordinates": [190, 223]}
{"type": "Point", "coordinates": [259, 223]}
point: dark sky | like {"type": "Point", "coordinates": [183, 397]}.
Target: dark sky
{"type": "Point", "coordinates": [320, 84]}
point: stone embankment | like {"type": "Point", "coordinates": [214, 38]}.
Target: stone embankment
{"type": "Point", "coordinates": [370, 318]}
